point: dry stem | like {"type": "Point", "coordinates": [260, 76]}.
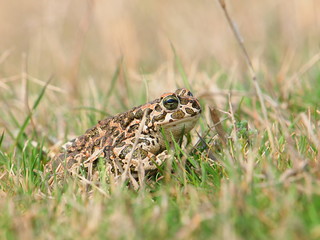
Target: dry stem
{"type": "Point", "coordinates": [252, 72]}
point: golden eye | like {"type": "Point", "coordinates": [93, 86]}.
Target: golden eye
{"type": "Point", "coordinates": [171, 102]}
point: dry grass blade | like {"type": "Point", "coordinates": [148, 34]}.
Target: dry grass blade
{"type": "Point", "coordinates": [43, 83]}
{"type": "Point", "coordinates": [233, 119]}
{"type": "Point", "coordinates": [217, 124]}
{"type": "Point", "coordinates": [92, 184]}
{"type": "Point", "coordinates": [227, 183]}
{"type": "Point", "coordinates": [289, 175]}
{"type": "Point", "coordinates": [127, 172]}
{"type": "Point", "coordinates": [293, 172]}
{"type": "Point", "coordinates": [305, 68]}
{"type": "Point", "coordinates": [253, 74]}
{"type": "Point", "coordinates": [313, 137]}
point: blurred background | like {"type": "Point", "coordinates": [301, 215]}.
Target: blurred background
{"type": "Point", "coordinates": [81, 44]}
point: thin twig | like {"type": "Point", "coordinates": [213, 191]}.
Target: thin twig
{"type": "Point", "coordinates": [126, 171]}
{"type": "Point", "coordinates": [252, 72]}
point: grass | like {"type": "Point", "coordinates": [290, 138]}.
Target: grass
{"type": "Point", "coordinates": [251, 175]}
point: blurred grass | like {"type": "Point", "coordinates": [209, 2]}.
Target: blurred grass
{"type": "Point", "coordinates": [106, 57]}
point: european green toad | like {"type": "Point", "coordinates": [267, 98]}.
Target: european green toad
{"type": "Point", "coordinates": [113, 138]}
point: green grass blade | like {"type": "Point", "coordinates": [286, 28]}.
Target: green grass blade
{"type": "Point", "coordinates": [181, 69]}
{"type": "Point", "coordinates": [28, 118]}
{"type": "Point", "coordinates": [1, 138]}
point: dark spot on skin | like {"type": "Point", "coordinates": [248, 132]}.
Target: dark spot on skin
{"type": "Point", "coordinates": [130, 115]}
{"type": "Point", "coordinates": [146, 131]}
{"type": "Point", "coordinates": [73, 145]}
{"type": "Point", "coordinates": [125, 151]}
{"type": "Point", "coordinates": [189, 111]}
{"type": "Point", "coordinates": [140, 153]}
{"type": "Point", "coordinates": [92, 132]}
{"type": "Point", "coordinates": [193, 114]}
{"type": "Point", "coordinates": [184, 101]}
{"type": "Point", "coordinates": [126, 119]}
{"type": "Point", "coordinates": [120, 138]}
{"type": "Point", "coordinates": [148, 111]}
{"type": "Point", "coordinates": [158, 108]}
{"type": "Point", "coordinates": [103, 140]}
{"type": "Point", "coordinates": [138, 114]}
{"type": "Point", "coordinates": [82, 139]}
{"type": "Point", "coordinates": [136, 154]}
{"type": "Point", "coordinates": [97, 142]}
{"type": "Point", "coordinates": [133, 127]}
{"type": "Point", "coordinates": [116, 133]}
{"type": "Point", "coordinates": [180, 91]}
{"type": "Point", "coordinates": [160, 117]}
{"type": "Point", "coordinates": [125, 123]}
{"type": "Point", "coordinates": [147, 120]}
{"type": "Point", "coordinates": [104, 124]}
{"type": "Point", "coordinates": [143, 140]}
{"type": "Point", "coordinates": [178, 114]}
{"type": "Point", "coordinates": [107, 152]}
{"type": "Point", "coordinates": [196, 105]}
{"type": "Point", "coordinates": [111, 130]}
{"type": "Point", "coordinates": [184, 92]}
{"type": "Point", "coordinates": [79, 148]}
{"type": "Point", "coordinates": [119, 145]}
{"type": "Point", "coordinates": [171, 120]}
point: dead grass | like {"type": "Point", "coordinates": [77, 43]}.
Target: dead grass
{"type": "Point", "coordinates": [106, 57]}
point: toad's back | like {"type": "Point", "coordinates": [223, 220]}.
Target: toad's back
{"type": "Point", "coordinates": [113, 138]}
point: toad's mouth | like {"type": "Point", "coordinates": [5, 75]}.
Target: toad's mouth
{"type": "Point", "coordinates": [184, 121]}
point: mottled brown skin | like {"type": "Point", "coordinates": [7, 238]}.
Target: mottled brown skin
{"type": "Point", "coordinates": [113, 138]}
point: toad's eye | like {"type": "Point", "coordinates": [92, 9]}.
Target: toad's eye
{"type": "Point", "coordinates": [171, 102]}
